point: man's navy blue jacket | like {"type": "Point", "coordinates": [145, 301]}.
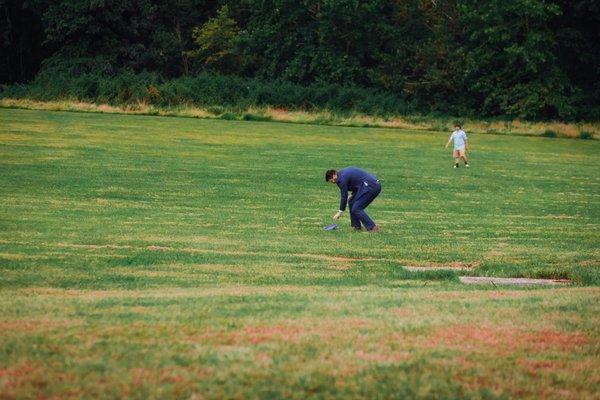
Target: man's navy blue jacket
{"type": "Point", "coordinates": [354, 180]}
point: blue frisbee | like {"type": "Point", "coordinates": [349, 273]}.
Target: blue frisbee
{"type": "Point", "coordinates": [330, 227]}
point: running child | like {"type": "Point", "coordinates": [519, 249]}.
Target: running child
{"type": "Point", "coordinates": [461, 144]}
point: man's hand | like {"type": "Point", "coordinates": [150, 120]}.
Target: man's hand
{"type": "Point", "coordinates": [337, 215]}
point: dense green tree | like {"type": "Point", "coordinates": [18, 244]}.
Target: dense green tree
{"type": "Point", "coordinates": [112, 35]}
{"type": "Point", "coordinates": [360, 42]}
{"type": "Point", "coordinates": [578, 52]}
{"type": "Point", "coordinates": [518, 58]}
{"type": "Point", "coordinates": [21, 37]}
{"type": "Point", "coordinates": [216, 44]}
{"type": "Point", "coordinates": [507, 50]}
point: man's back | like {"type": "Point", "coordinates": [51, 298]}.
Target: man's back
{"type": "Point", "coordinates": [353, 178]}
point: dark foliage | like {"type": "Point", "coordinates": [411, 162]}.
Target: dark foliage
{"type": "Point", "coordinates": [527, 59]}
{"type": "Point", "coordinates": [209, 90]}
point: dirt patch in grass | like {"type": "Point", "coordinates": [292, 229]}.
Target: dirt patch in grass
{"type": "Point", "coordinates": [405, 312]}
{"type": "Point", "coordinates": [15, 256]}
{"type": "Point", "coordinates": [486, 280]}
{"type": "Point", "coordinates": [326, 257]}
{"type": "Point", "coordinates": [480, 295]}
{"type": "Point", "coordinates": [589, 263]}
{"type": "Point", "coordinates": [341, 267]}
{"type": "Point", "coordinates": [438, 266]}
{"type": "Point", "coordinates": [339, 263]}
{"type": "Point", "coordinates": [15, 378]}
{"type": "Point", "coordinates": [261, 334]}
{"type": "Point", "coordinates": [535, 367]}
{"type": "Point", "coordinates": [380, 358]}
{"type": "Point", "coordinates": [353, 322]}
{"type": "Point", "coordinates": [187, 240]}
{"type": "Point", "coordinates": [157, 248]}
{"type": "Point", "coordinates": [92, 246]}
{"type": "Point", "coordinates": [503, 340]}
{"type": "Point", "coordinates": [162, 293]}
{"type": "Point", "coordinates": [250, 335]}
{"type": "Point", "coordinates": [34, 325]}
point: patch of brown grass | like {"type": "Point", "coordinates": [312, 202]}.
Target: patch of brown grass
{"type": "Point", "coordinates": [156, 248]}
{"type": "Point", "coordinates": [341, 267]}
{"type": "Point", "coordinates": [14, 256]}
{"type": "Point", "coordinates": [92, 246]}
{"type": "Point", "coordinates": [590, 263]}
{"type": "Point", "coordinates": [404, 312]}
{"type": "Point", "coordinates": [381, 358]}
{"type": "Point", "coordinates": [30, 325]}
{"type": "Point", "coordinates": [534, 367]}
{"type": "Point", "coordinates": [239, 290]}
{"type": "Point", "coordinates": [502, 340]}
{"type": "Point", "coordinates": [326, 257]}
{"type": "Point", "coordinates": [452, 265]}
{"type": "Point", "coordinates": [15, 377]}
{"type": "Point", "coordinates": [250, 335]}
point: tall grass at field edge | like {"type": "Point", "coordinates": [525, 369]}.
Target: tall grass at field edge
{"type": "Point", "coordinates": [325, 117]}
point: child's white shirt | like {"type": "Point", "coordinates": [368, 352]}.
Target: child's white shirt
{"type": "Point", "coordinates": [459, 139]}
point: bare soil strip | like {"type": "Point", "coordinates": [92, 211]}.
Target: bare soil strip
{"type": "Point", "coordinates": [485, 280]}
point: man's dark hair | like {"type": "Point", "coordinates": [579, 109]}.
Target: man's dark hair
{"type": "Point", "coordinates": [458, 124]}
{"type": "Point", "coordinates": [329, 174]}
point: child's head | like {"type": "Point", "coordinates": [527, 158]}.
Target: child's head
{"type": "Point", "coordinates": [457, 126]}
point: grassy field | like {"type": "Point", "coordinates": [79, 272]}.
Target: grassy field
{"type": "Point", "coordinates": [154, 257]}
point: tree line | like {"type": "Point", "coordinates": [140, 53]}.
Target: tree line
{"type": "Point", "coordinates": [531, 59]}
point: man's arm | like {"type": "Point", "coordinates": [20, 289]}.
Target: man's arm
{"type": "Point", "coordinates": [343, 199]}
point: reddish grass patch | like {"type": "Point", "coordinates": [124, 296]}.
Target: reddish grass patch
{"type": "Point", "coordinates": [506, 339]}
{"type": "Point", "coordinates": [26, 326]}
{"type": "Point", "coordinates": [250, 335]}
{"type": "Point", "coordinates": [261, 334]}
{"type": "Point", "coordinates": [534, 367]}
{"type": "Point", "coordinates": [389, 358]}
{"type": "Point", "coordinates": [170, 375]}
{"type": "Point", "coordinates": [352, 322]}
{"type": "Point", "coordinates": [33, 325]}
{"type": "Point", "coordinates": [13, 378]}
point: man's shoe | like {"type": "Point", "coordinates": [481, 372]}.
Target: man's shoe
{"type": "Point", "coordinates": [467, 165]}
{"type": "Point", "coordinates": [374, 229]}
{"type": "Point", "coordinates": [455, 165]}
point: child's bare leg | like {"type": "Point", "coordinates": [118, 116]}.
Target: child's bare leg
{"type": "Point", "coordinates": [456, 157]}
{"type": "Point", "coordinates": [463, 155]}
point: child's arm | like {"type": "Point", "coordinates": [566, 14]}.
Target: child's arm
{"type": "Point", "coordinates": [448, 144]}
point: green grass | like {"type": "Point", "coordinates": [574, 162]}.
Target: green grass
{"type": "Point", "coordinates": [153, 257]}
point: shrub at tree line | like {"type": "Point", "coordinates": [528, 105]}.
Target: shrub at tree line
{"type": "Point", "coordinates": [529, 59]}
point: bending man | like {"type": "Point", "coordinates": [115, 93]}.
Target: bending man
{"type": "Point", "coordinates": [364, 187]}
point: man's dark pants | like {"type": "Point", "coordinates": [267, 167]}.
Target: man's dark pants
{"type": "Point", "coordinates": [359, 202]}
